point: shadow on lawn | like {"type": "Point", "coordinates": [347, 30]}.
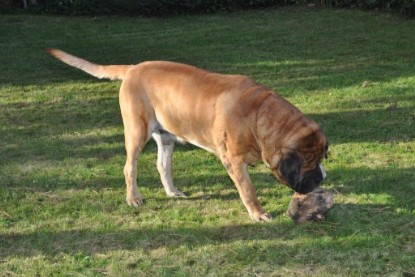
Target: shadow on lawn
{"type": "Point", "coordinates": [370, 222]}
{"type": "Point", "coordinates": [388, 124]}
{"type": "Point", "coordinates": [394, 186]}
{"type": "Point", "coordinates": [301, 71]}
{"type": "Point", "coordinates": [397, 183]}
{"type": "Point", "coordinates": [305, 75]}
{"type": "Point", "coordinates": [48, 125]}
{"type": "Point", "coordinates": [91, 242]}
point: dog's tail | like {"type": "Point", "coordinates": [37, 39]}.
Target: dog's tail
{"type": "Point", "coordinates": [113, 72]}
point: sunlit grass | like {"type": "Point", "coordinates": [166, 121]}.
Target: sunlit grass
{"type": "Point", "coordinates": [62, 191]}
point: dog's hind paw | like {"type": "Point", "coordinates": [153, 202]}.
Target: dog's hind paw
{"type": "Point", "coordinates": [175, 193]}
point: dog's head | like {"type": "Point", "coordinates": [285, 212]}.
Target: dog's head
{"type": "Point", "coordinates": [299, 165]}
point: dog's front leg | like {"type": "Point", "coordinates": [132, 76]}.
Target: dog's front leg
{"type": "Point", "coordinates": [238, 172]}
{"type": "Point", "coordinates": [165, 146]}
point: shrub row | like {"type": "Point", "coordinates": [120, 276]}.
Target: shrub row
{"type": "Point", "coordinates": [405, 7]}
{"type": "Point", "coordinates": [134, 7]}
{"type": "Point", "coordinates": [169, 7]}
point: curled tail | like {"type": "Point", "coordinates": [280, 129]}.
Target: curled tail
{"type": "Point", "coordinates": [113, 72]}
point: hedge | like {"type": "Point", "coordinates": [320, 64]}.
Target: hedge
{"type": "Point", "coordinates": [169, 7]}
{"type": "Point", "coordinates": [136, 7]}
{"type": "Point", "coordinates": [405, 7]}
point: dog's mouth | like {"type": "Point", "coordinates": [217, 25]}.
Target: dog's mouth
{"type": "Point", "coordinates": [306, 187]}
{"type": "Point", "coordinates": [310, 180]}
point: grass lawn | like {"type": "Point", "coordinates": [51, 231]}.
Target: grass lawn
{"type": "Point", "coordinates": [62, 192]}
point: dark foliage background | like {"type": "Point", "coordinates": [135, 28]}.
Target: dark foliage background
{"type": "Point", "coordinates": [172, 7]}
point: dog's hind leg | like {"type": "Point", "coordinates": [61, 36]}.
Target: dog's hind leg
{"type": "Point", "coordinates": [136, 119]}
{"type": "Point", "coordinates": [165, 146]}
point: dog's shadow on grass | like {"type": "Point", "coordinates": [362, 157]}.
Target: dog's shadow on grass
{"type": "Point", "coordinates": [394, 215]}
{"type": "Point", "coordinates": [92, 242]}
{"type": "Point", "coordinates": [366, 220]}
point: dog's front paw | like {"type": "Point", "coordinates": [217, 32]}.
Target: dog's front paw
{"type": "Point", "coordinates": [175, 193]}
{"type": "Point", "coordinates": [261, 217]}
{"type": "Point", "coordinates": [134, 200]}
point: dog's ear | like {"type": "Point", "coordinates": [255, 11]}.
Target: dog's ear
{"type": "Point", "coordinates": [290, 169]}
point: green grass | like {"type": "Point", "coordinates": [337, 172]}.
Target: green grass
{"type": "Point", "coordinates": [62, 193]}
